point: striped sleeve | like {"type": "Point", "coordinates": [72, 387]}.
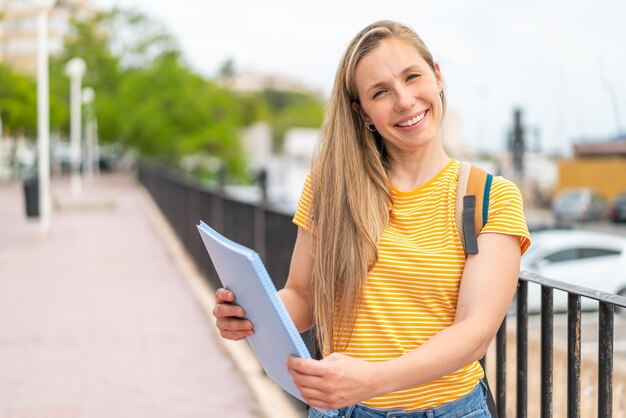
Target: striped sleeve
{"type": "Point", "coordinates": [302, 218]}
{"type": "Point", "coordinates": [506, 212]}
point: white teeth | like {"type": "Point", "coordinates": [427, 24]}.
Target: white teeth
{"type": "Point", "coordinates": [412, 121]}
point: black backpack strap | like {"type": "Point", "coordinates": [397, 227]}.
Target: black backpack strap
{"type": "Point", "coordinates": [491, 403]}
{"type": "Point", "coordinates": [469, 228]}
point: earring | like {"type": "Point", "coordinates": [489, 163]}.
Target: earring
{"type": "Point", "coordinates": [370, 128]}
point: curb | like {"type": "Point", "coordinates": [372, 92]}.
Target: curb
{"type": "Point", "coordinates": [271, 400]}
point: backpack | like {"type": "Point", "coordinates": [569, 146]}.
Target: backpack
{"type": "Point", "coordinates": [471, 210]}
{"type": "Point", "coordinates": [472, 204]}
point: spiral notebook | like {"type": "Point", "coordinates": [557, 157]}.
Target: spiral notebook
{"type": "Point", "coordinates": [275, 337]}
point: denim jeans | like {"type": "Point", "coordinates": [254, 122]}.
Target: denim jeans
{"type": "Point", "coordinates": [472, 405]}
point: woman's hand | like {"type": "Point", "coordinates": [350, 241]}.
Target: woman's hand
{"type": "Point", "coordinates": [228, 317]}
{"type": "Point", "coordinates": [334, 382]}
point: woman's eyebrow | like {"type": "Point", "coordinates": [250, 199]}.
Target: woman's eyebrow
{"type": "Point", "coordinates": [410, 68]}
{"type": "Point", "coordinates": [376, 85]}
{"type": "Point", "coordinates": [403, 72]}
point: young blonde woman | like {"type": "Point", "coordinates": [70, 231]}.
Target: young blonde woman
{"type": "Point", "coordinates": [378, 267]}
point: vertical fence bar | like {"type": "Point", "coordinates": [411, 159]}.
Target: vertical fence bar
{"type": "Point", "coordinates": [280, 237]}
{"type": "Point", "coordinates": [501, 370]}
{"type": "Point", "coordinates": [217, 210]}
{"type": "Point", "coordinates": [522, 349]}
{"type": "Point", "coordinates": [196, 247]}
{"type": "Point", "coordinates": [547, 338]}
{"type": "Point", "coordinates": [573, 356]}
{"type": "Point", "coordinates": [605, 361]}
{"type": "Point", "coordinates": [260, 230]}
{"type": "Point", "coordinates": [204, 261]}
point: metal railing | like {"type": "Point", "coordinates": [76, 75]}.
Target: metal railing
{"type": "Point", "coordinates": [184, 201]}
{"type": "Point", "coordinates": [608, 303]}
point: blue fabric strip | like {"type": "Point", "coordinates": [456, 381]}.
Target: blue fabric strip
{"type": "Point", "coordinates": [486, 198]}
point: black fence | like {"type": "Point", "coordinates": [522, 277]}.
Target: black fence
{"type": "Point", "coordinates": [185, 201]}
{"type": "Point", "coordinates": [608, 304]}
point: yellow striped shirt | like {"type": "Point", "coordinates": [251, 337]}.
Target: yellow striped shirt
{"type": "Point", "coordinates": [411, 293]}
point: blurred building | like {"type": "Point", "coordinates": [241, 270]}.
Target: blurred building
{"type": "Point", "coordinates": [18, 29]}
{"type": "Point", "coordinates": [298, 150]}
{"type": "Point", "coordinates": [453, 140]}
{"type": "Point", "coordinates": [256, 141]}
{"type": "Point", "coordinates": [252, 81]}
{"type": "Point", "coordinates": [287, 172]}
{"type": "Point", "coordinates": [599, 164]}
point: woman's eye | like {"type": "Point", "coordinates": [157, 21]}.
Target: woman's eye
{"type": "Point", "coordinates": [411, 77]}
{"type": "Point", "coordinates": [378, 93]}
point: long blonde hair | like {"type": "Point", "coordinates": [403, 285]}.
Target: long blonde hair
{"type": "Point", "coordinates": [351, 194]}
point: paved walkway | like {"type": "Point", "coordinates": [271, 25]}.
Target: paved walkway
{"type": "Point", "coordinates": [96, 319]}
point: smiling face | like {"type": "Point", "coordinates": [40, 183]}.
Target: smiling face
{"type": "Point", "coordinates": [399, 93]}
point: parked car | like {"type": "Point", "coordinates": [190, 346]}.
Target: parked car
{"type": "Point", "coordinates": [582, 204]}
{"type": "Point", "coordinates": [617, 210]}
{"type": "Point", "coordinates": [582, 258]}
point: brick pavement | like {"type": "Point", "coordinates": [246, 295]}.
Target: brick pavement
{"type": "Point", "coordinates": [96, 320]}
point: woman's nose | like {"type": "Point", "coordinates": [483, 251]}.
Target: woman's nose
{"type": "Point", "coordinates": [404, 99]}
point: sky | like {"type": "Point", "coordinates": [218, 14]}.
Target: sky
{"type": "Point", "coordinates": [561, 62]}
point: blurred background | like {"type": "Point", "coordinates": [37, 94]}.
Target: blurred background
{"type": "Point", "coordinates": [217, 108]}
{"type": "Point", "coordinates": [536, 92]}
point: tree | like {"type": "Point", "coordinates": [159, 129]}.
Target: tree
{"type": "Point", "coordinates": [171, 111]}
{"type": "Point", "coordinates": [146, 96]}
{"type": "Point", "coordinates": [18, 102]}
{"type": "Point", "coordinates": [290, 109]}
{"type": "Point", "coordinates": [227, 69]}
{"type": "Point", "coordinates": [89, 41]}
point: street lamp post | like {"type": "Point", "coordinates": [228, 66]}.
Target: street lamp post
{"type": "Point", "coordinates": [88, 96]}
{"type": "Point", "coordinates": [96, 146]}
{"type": "Point", "coordinates": [75, 69]}
{"type": "Point", "coordinates": [43, 117]}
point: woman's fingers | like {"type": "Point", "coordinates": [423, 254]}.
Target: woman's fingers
{"type": "Point", "coordinates": [313, 390]}
{"type": "Point", "coordinates": [309, 387]}
{"type": "Point", "coordinates": [235, 335]}
{"type": "Point", "coordinates": [228, 317]}
{"type": "Point", "coordinates": [230, 324]}
{"type": "Point", "coordinates": [311, 383]}
{"type": "Point", "coordinates": [224, 295]}
{"type": "Point", "coordinates": [234, 329]}
{"type": "Point", "coordinates": [223, 310]}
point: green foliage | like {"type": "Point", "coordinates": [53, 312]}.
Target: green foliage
{"type": "Point", "coordinates": [291, 109]}
{"type": "Point", "coordinates": [253, 108]}
{"type": "Point", "coordinates": [90, 42]}
{"type": "Point", "coordinates": [148, 98]}
{"type": "Point", "coordinates": [18, 102]}
{"type": "Point", "coordinates": [59, 97]}
{"type": "Point", "coordinates": [170, 110]}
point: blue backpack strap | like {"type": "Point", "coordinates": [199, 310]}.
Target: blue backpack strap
{"type": "Point", "coordinates": [486, 198]}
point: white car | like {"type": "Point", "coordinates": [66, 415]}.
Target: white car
{"type": "Point", "coordinates": [582, 258]}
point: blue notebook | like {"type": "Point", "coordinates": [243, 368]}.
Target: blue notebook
{"type": "Point", "coordinates": [275, 337]}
